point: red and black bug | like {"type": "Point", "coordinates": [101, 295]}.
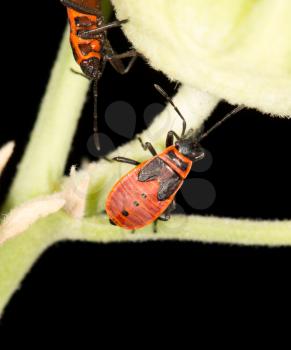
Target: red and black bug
{"type": "Point", "coordinates": [147, 192]}
{"type": "Point", "coordinates": [91, 47]}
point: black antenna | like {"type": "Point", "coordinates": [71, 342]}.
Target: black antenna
{"type": "Point", "coordinates": [95, 122]}
{"type": "Point", "coordinates": [234, 111]}
{"type": "Point", "coordinates": [167, 97]}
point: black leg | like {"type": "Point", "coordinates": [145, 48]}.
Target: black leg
{"type": "Point", "coordinates": [155, 226]}
{"type": "Point", "coordinates": [170, 138]}
{"type": "Point", "coordinates": [79, 73]}
{"type": "Point", "coordinates": [109, 160]}
{"type": "Point", "coordinates": [115, 63]}
{"type": "Point", "coordinates": [167, 214]}
{"type": "Point", "coordinates": [116, 59]}
{"type": "Point", "coordinates": [148, 146]}
{"type": "Point", "coordinates": [93, 33]}
{"type": "Point", "coordinates": [95, 116]}
{"type": "Point", "coordinates": [118, 65]}
{"type": "Point", "coordinates": [119, 56]}
{"type": "Point", "coordinates": [126, 160]}
{"type": "Point", "coordinates": [168, 98]}
{"type": "Point", "coordinates": [176, 85]}
{"type": "Point", "coordinates": [163, 218]}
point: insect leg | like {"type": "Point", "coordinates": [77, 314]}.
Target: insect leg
{"type": "Point", "coordinates": [148, 146]}
{"type": "Point", "coordinates": [167, 213]}
{"type": "Point", "coordinates": [126, 160]}
{"type": "Point", "coordinates": [79, 73]}
{"type": "Point", "coordinates": [92, 33]}
{"type": "Point", "coordinates": [95, 116]}
{"type": "Point", "coordinates": [155, 226]}
{"type": "Point", "coordinates": [112, 222]}
{"type": "Point", "coordinates": [168, 98]}
{"type": "Point", "coordinates": [123, 70]}
{"type": "Point", "coordinates": [109, 160]}
{"type": "Point", "coordinates": [116, 59]}
{"type": "Point", "coordinates": [170, 138]}
{"type": "Point", "coordinates": [165, 216]}
{"type": "Point", "coordinates": [126, 54]}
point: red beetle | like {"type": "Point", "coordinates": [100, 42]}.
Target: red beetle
{"type": "Point", "coordinates": [90, 46]}
{"type": "Point", "coordinates": [147, 192]}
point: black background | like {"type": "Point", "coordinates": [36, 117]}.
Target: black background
{"type": "Point", "coordinates": [73, 281]}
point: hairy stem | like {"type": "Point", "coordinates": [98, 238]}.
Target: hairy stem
{"type": "Point", "coordinates": [45, 157]}
{"type": "Point", "coordinates": [188, 228]}
{"type": "Point", "coordinates": [18, 255]}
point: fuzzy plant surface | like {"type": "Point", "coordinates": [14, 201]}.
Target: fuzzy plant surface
{"type": "Point", "coordinates": [239, 50]}
{"type": "Point", "coordinates": [217, 50]}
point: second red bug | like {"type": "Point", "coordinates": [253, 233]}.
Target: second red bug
{"type": "Point", "coordinates": [90, 46]}
{"type": "Point", "coordinates": [147, 193]}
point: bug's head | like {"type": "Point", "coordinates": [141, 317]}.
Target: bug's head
{"type": "Point", "coordinates": [190, 147]}
{"type": "Point", "coordinates": [91, 68]}
{"type": "Point", "coordinates": [189, 142]}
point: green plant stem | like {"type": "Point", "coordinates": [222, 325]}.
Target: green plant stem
{"type": "Point", "coordinates": [43, 163]}
{"type": "Point", "coordinates": [187, 228]}
{"type": "Point", "coordinates": [17, 256]}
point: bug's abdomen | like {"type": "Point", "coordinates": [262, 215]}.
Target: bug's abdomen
{"type": "Point", "coordinates": [133, 204]}
{"type": "Point", "coordinates": [84, 49]}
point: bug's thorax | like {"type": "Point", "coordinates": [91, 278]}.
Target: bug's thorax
{"type": "Point", "coordinates": [87, 52]}
{"type": "Point", "coordinates": [177, 161]}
